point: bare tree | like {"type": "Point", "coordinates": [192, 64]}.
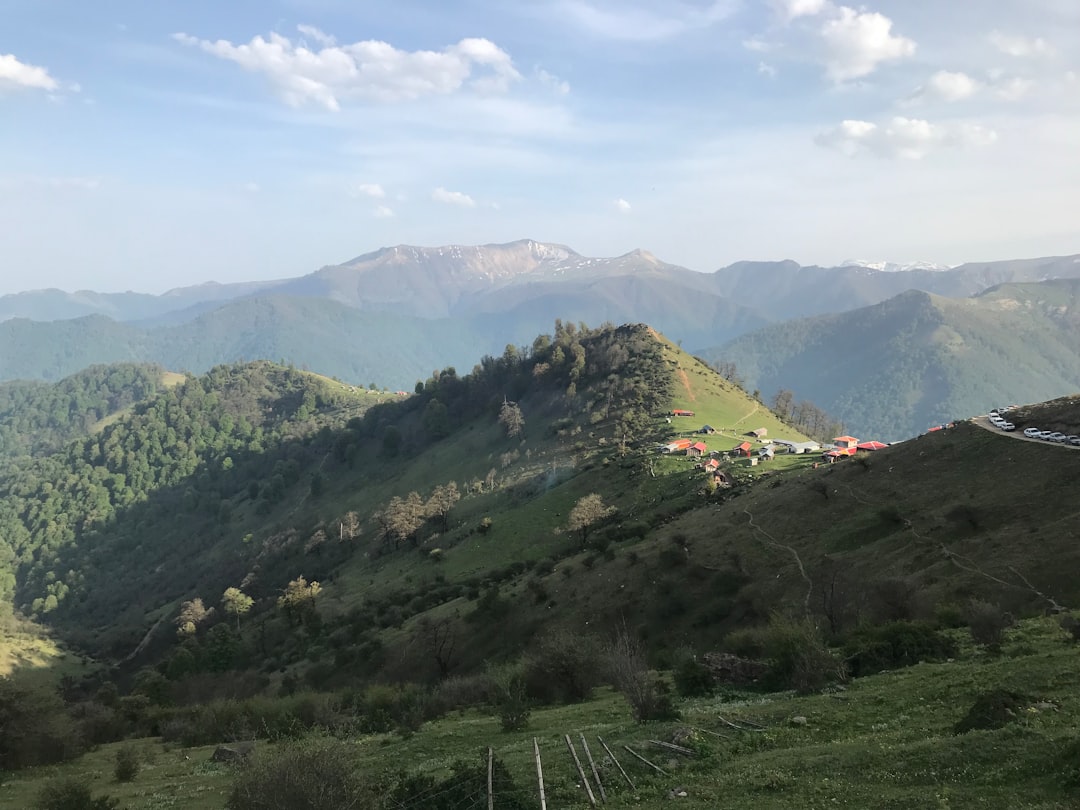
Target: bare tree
{"type": "Point", "coordinates": [439, 637]}
{"type": "Point", "coordinates": [442, 500]}
{"type": "Point", "coordinates": [192, 614]}
{"type": "Point", "coordinates": [511, 418]}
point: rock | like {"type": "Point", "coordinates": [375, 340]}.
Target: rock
{"type": "Point", "coordinates": [799, 720]}
{"type": "Point", "coordinates": [233, 752]}
{"type": "Point", "coordinates": [678, 793]}
{"type": "Point", "coordinates": [731, 669]}
{"type": "Point", "coordinates": [682, 736]}
{"type": "Point", "coordinates": [1046, 706]}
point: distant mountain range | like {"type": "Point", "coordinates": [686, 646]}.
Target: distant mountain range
{"type": "Point", "coordinates": [394, 315]}
{"type": "Point", "coordinates": [893, 369]}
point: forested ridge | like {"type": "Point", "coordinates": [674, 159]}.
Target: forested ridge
{"type": "Point", "coordinates": [193, 484]}
{"type": "Point", "coordinates": [38, 418]}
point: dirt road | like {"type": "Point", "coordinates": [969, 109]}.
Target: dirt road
{"type": "Point", "coordinates": [985, 423]}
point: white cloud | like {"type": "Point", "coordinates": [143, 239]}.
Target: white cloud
{"type": "Point", "coordinates": [947, 86]}
{"type": "Point", "coordinates": [622, 206]}
{"type": "Point", "coordinates": [621, 20]}
{"type": "Point", "coordinates": [793, 9]}
{"type": "Point", "coordinates": [373, 190]}
{"type": "Point", "coordinates": [858, 41]}
{"type": "Point", "coordinates": [554, 82]}
{"type": "Point", "coordinates": [1013, 89]}
{"type": "Point", "coordinates": [1014, 45]}
{"type": "Point", "coordinates": [765, 69]}
{"type": "Point", "coordinates": [441, 195]}
{"type": "Point", "coordinates": [758, 45]}
{"type": "Point", "coordinates": [368, 70]}
{"type": "Point", "coordinates": [317, 35]}
{"type": "Point", "coordinates": [906, 138]}
{"type": "Point", "coordinates": [382, 212]}
{"type": "Point", "coordinates": [14, 73]}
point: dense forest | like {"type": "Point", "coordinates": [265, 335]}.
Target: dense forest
{"type": "Point", "coordinates": [37, 418]}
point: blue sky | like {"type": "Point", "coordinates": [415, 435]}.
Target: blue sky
{"type": "Point", "coordinates": [152, 145]}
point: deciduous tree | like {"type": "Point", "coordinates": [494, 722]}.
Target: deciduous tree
{"type": "Point", "coordinates": [237, 603]}
{"type": "Point", "coordinates": [586, 513]}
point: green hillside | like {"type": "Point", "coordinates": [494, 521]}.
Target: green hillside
{"type": "Point", "coordinates": [895, 369]}
{"type": "Point", "coordinates": [396, 559]}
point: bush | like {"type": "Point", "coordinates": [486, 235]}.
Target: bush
{"type": "Point", "coordinates": [988, 624]}
{"type": "Point", "coordinates": [71, 794]}
{"type": "Point", "coordinates": [991, 710]}
{"type": "Point", "coordinates": [127, 763]}
{"type": "Point", "coordinates": [508, 696]}
{"type": "Point", "coordinates": [310, 774]}
{"type": "Point", "coordinates": [562, 666]}
{"type": "Point", "coordinates": [35, 729]}
{"type": "Point", "coordinates": [797, 656]}
{"type": "Point", "coordinates": [647, 695]}
{"type": "Point", "coordinates": [692, 678]}
{"type": "Point", "coordinates": [895, 645]}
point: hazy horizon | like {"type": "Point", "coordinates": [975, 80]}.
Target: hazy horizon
{"type": "Point", "coordinates": [152, 149]}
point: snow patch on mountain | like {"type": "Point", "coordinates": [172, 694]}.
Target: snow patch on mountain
{"type": "Point", "coordinates": [894, 267]}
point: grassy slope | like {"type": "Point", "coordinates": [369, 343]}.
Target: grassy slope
{"type": "Point", "coordinates": [886, 742]}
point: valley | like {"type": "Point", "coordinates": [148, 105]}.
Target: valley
{"type": "Point", "coordinates": [402, 556]}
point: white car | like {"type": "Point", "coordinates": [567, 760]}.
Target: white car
{"type": "Point", "coordinates": [1008, 426]}
{"type": "Point", "coordinates": [1057, 437]}
{"type": "Point", "coordinates": [1032, 433]}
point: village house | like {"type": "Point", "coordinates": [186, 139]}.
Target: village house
{"type": "Point", "coordinates": [677, 446]}
{"type": "Point", "coordinates": [697, 450]}
{"type": "Point", "coordinates": [681, 412]}
{"type": "Point", "coordinates": [745, 449]}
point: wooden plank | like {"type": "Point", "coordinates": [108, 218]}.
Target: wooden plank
{"type": "Point", "coordinates": [539, 774]}
{"type": "Point", "coordinates": [618, 765]}
{"type": "Point", "coordinates": [581, 771]}
{"type": "Point", "coordinates": [595, 770]}
{"type": "Point", "coordinates": [672, 747]}
{"type": "Point", "coordinates": [635, 754]}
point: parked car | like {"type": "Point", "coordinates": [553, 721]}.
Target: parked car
{"type": "Point", "coordinates": [1032, 433]}
{"type": "Point", "coordinates": [1045, 435]}
{"type": "Point", "coordinates": [1008, 426]}
{"type": "Point", "coordinates": [1057, 437]}
{"type": "Point", "coordinates": [1075, 441]}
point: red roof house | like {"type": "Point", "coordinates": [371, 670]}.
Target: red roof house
{"type": "Point", "coordinates": [698, 449]}
{"type": "Point", "coordinates": [846, 442]}
{"type": "Point", "coordinates": [744, 449]}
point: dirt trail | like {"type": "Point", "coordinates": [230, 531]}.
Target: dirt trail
{"type": "Point", "coordinates": [984, 423]}
{"type": "Point", "coordinates": [685, 380]}
{"type": "Point", "coordinates": [743, 419]}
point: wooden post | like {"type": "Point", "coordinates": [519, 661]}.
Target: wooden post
{"type": "Point", "coordinates": [581, 771]}
{"type": "Point", "coordinates": [595, 771]}
{"type": "Point", "coordinates": [615, 759]}
{"type": "Point", "coordinates": [539, 774]}
{"type": "Point", "coordinates": [491, 796]}
{"type": "Point", "coordinates": [634, 753]}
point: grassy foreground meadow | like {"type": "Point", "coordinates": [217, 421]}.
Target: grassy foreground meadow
{"type": "Point", "coordinates": [884, 741]}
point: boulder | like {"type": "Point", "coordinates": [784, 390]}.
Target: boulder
{"type": "Point", "coordinates": [731, 669]}
{"type": "Point", "coordinates": [233, 752]}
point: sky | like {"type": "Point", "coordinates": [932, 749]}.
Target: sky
{"type": "Point", "coordinates": [147, 146]}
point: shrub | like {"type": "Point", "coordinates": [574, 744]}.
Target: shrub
{"type": "Point", "coordinates": [35, 729]}
{"type": "Point", "coordinates": [127, 763]}
{"type": "Point", "coordinates": [991, 710]}
{"type": "Point", "coordinates": [1071, 625]}
{"type": "Point", "coordinates": [647, 695]}
{"type": "Point", "coordinates": [70, 793]}
{"type": "Point", "coordinates": [310, 774]}
{"type": "Point", "coordinates": [562, 666]}
{"type": "Point", "coordinates": [988, 624]}
{"type": "Point", "coordinates": [798, 658]}
{"type": "Point", "coordinates": [508, 696]}
{"type": "Point", "coordinates": [894, 645]}
{"type": "Point", "coordinates": [692, 678]}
